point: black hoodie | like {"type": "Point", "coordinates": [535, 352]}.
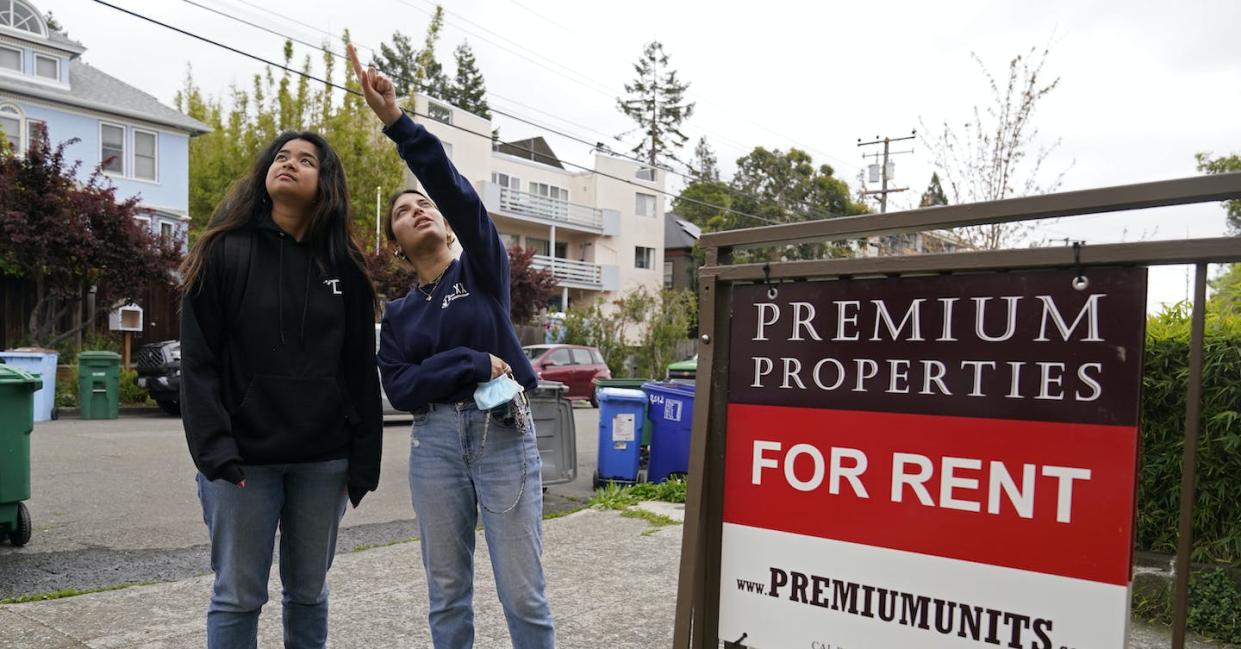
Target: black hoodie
{"type": "Point", "coordinates": [281, 369]}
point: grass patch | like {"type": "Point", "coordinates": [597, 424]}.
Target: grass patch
{"type": "Point", "coordinates": [655, 521]}
{"type": "Point", "coordinates": [562, 513]}
{"type": "Point", "coordinates": [361, 547]}
{"type": "Point", "coordinates": [619, 497]}
{"type": "Point", "coordinates": [1214, 605]}
{"type": "Point", "coordinates": [71, 592]}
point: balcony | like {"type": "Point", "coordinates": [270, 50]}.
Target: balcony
{"type": "Point", "coordinates": [579, 274]}
{"type": "Point", "coordinates": [548, 211]}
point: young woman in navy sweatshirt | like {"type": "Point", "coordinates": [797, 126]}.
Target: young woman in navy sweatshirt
{"type": "Point", "coordinates": [279, 393]}
{"type": "Point", "coordinates": [437, 344]}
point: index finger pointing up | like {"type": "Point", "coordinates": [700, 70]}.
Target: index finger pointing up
{"type": "Point", "coordinates": [357, 65]}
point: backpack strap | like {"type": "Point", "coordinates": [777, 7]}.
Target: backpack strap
{"type": "Point", "coordinates": [237, 249]}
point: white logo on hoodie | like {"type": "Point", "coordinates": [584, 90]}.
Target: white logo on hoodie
{"type": "Point", "coordinates": [333, 283]}
{"type": "Point", "coordinates": [458, 291]}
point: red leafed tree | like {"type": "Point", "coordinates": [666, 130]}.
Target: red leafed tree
{"type": "Point", "coordinates": [531, 287]}
{"type": "Point", "coordinates": [65, 237]}
{"type": "Point", "coordinates": [392, 278]}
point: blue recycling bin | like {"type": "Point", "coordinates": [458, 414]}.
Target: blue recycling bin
{"type": "Point", "coordinates": [622, 416]}
{"type": "Point", "coordinates": [670, 409]}
{"type": "Point", "coordinates": [42, 363]}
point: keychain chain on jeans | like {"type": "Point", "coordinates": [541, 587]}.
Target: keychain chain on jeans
{"type": "Point", "coordinates": [519, 408]}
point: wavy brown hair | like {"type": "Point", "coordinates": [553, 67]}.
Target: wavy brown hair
{"type": "Point", "coordinates": [329, 233]}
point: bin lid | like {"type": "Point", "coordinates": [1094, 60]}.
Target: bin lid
{"type": "Point", "coordinates": [10, 375]}
{"type": "Point", "coordinates": [99, 357]}
{"type": "Point", "coordinates": [621, 394]}
{"type": "Point", "coordinates": [551, 386]}
{"type": "Point", "coordinates": [683, 389]}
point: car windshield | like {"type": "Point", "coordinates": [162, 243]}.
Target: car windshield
{"type": "Point", "coordinates": [533, 352]}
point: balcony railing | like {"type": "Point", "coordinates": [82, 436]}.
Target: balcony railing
{"type": "Point", "coordinates": [568, 271]}
{"type": "Point", "coordinates": [527, 204]}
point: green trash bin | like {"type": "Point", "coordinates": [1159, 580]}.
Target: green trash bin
{"type": "Point", "coordinates": [17, 389]}
{"type": "Point", "coordinates": [99, 385]}
{"type": "Point", "coordinates": [628, 384]}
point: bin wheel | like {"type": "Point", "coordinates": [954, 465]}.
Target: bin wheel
{"type": "Point", "coordinates": [55, 413]}
{"type": "Point", "coordinates": [597, 483]}
{"type": "Point", "coordinates": [170, 407]}
{"type": "Point", "coordinates": [21, 534]}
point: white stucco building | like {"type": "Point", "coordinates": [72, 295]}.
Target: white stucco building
{"type": "Point", "coordinates": [600, 236]}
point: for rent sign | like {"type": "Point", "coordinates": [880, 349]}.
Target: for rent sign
{"type": "Point", "coordinates": [933, 462]}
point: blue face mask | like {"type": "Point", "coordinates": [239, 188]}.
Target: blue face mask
{"type": "Point", "coordinates": [496, 392]}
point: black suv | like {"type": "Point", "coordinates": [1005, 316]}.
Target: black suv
{"type": "Point", "coordinates": [159, 371]}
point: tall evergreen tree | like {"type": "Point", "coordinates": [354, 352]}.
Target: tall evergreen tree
{"type": "Point", "coordinates": [398, 63]}
{"type": "Point", "coordinates": [469, 91]}
{"type": "Point", "coordinates": [704, 166]}
{"type": "Point", "coordinates": [657, 103]}
{"type": "Point", "coordinates": [429, 75]}
{"type": "Point", "coordinates": [934, 194]}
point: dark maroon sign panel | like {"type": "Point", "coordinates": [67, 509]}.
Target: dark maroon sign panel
{"type": "Point", "coordinates": [1020, 345]}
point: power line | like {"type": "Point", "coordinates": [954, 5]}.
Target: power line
{"type": "Point", "coordinates": [486, 136]}
{"type": "Point", "coordinates": [811, 211]}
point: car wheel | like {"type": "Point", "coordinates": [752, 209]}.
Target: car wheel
{"type": "Point", "coordinates": [21, 534]}
{"type": "Point", "coordinates": [170, 407]}
{"type": "Point", "coordinates": [594, 399]}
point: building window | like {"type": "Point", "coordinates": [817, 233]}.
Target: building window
{"type": "Point", "coordinates": [646, 173]}
{"type": "Point", "coordinates": [509, 240]}
{"type": "Point", "coordinates": [643, 257]}
{"type": "Point", "coordinates": [165, 232]}
{"type": "Point", "coordinates": [507, 181]}
{"type": "Point", "coordinates": [645, 205]}
{"type": "Point", "coordinates": [146, 147]}
{"type": "Point", "coordinates": [36, 133]}
{"type": "Point", "coordinates": [47, 67]}
{"type": "Point", "coordinates": [549, 191]}
{"type": "Point", "coordinates": [562, 250]}
{"type": "Point", "coordinates": [667, 274]}
{"type": "Point", "coordinates": [16, 14]}
{"type": "Point", "coordinates": [439, 112]}
{"type": "Point", "coordinates": [11, 124]}
{"type": "Point", "coordinates": [112, 148]}
{"type": "Point", "coordinates": [11, 59]}
{"type": "Point", "coordinates": [539, 246]}
{"type": "Point", "coordinates": [145, 222]}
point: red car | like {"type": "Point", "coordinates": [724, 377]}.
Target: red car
{"type": "Point", "coordinates": [574, 365]}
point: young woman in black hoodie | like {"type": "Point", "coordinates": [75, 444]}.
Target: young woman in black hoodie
{"type": "Point", "coordinates": [279, 391]}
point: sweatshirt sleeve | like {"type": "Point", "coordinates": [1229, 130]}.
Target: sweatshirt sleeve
{"type": "Point", "coordinates": [208, 427]}
{"type": "Point", "coordinates": [410, 386]}
{"type": "Point", "coordinates": [358, 362]}
{"type": "Point", "coordinates": [456, 199]}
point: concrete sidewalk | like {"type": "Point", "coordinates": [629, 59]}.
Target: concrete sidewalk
{"type": "Point", "coordinates": [612, 583]}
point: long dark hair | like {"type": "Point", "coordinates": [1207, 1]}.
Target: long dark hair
{"type": "Point", "coordinates": [329, 233]}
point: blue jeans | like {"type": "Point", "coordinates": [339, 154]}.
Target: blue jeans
{"type": "Point", "coordinates": [462, 461]}
{"type": "Point", "coordinates": [307, 502]}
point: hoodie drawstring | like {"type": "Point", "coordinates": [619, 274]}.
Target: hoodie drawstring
{"type": "Point", "coordinates": [305, 302]}
{"type": "Point", "coordinates": [280, 288]}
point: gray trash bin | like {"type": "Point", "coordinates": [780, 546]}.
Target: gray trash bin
{"type": "Point", "coordinates": [557, 434]}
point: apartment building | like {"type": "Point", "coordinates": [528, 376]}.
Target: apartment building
{"type": "Point", "coordinates": [601, 232]}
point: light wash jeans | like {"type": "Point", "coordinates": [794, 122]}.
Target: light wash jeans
{"type": "Point", "coordinates": [307, 502]}
{"type": "Point", "coordinates": [461, 461]}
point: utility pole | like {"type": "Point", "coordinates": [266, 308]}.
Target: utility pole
{"type": "Point", "coordinates": [884, 169]}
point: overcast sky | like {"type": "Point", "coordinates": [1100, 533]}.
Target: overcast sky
{"type": "Point", "coordinates": [1144, 84]}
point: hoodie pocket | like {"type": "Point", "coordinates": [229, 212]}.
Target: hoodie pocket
{"type": "Point", "coordinates": [290, 419]}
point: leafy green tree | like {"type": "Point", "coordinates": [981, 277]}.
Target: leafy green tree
{"type": "Point", "coordinates": [934, 194]}
{"type": "Point", "coordinates": [468, 91]}
{"type": "Point", "coordinates": [656, 102]}
{"type": "Point", "coordinates": [249, 120]}
{"type": "Point", "coordinates": [1222, 165]}
{"type": "Point", "coordinates": [705, 203]}
{"type": "Point", "coordinates": [1226, 296]}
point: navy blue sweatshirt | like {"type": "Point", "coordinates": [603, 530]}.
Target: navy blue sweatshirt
{"type": "Point", "coordinates": [438, 350]}
{"type": "Point", "coordinates": [279, 369]}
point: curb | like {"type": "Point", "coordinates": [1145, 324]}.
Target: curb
{"type": "Point", "coordinates": [76, 413]}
